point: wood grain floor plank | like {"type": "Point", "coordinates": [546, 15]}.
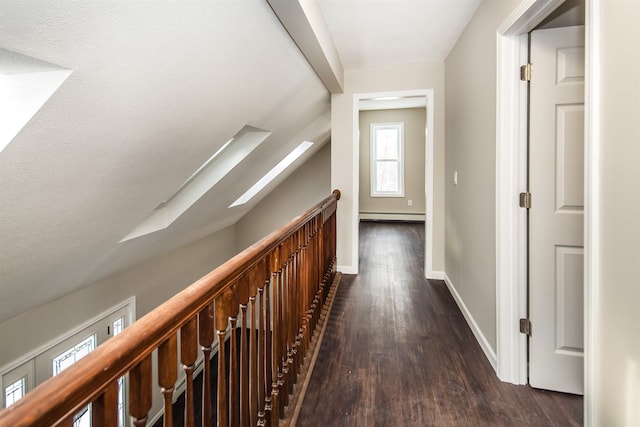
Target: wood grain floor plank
{"type": "Point", "coordinates": [398, 352]}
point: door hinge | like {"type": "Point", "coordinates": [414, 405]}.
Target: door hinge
{"type": "Point", "coordinates": [525, 73]}
{"type": "Point", "coordinates": [525, 200]}
{"type": "Point", "coordinates": [525, 326]}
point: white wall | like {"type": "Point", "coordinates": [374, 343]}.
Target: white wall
{"type": "Point", "coordinates": [414, 120]}
{"type": "Point", "coordinates": [305, 187]}
{"type": "Point", "coordinates": [569, 13]}
{"type": "Point", "coordinates": [344, 150]}
{"type": "Point", "coordinates": [616, 284]}
{"type": "Point", "coordinates": [470, 85]}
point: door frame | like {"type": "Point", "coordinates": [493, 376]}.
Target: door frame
{"type": "Point", "coordinates": [511, 292]}
{"type": "Point", "coordinates": [428, 173]}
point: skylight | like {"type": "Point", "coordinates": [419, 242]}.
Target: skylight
{"type": "Point", "coordinates": [272, 174]}
{"type": "Point", "coordinates": [195, 174]}
{"type": "Point", "coordinates": [26, 84]}
{"type": "Point", "coordinates": [227, 157]}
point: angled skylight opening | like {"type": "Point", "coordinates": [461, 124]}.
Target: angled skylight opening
{"type": "Point", "coordinates": [26, 84]}
{"type": "Point", "coordinates": [225, 159]}
{"type": "Point", "coordinates": [195, 174]}
{"type": "Point", "coordinates": [273, 173]}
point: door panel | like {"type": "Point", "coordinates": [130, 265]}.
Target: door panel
{"type": "Point", "coordinates": [556, 170]}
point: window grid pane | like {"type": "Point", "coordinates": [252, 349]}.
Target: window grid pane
{"type": "Point", "coordinates": [118, 326]}
{"type": "Point", "coordinates": [387, 176]}
{"type": "Point", "coordinates": [71, 356]}
{"type": "Point", "coordinates": [387, 144]}
{"type": "Point", "coordinates": [15, 392]}
{"type": "Point", "coordinates": [386, 159]}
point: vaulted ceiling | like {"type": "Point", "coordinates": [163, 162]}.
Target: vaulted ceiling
{"type": "Point", "coordinates": [114, 105]}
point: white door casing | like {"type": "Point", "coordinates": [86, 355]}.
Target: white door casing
{"type": "Point", "coordinates": [556, 242]}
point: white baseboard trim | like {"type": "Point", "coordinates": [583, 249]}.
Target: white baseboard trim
{"type": "Point", "coordinates": [390, 216]}
{"type": "Point", "coordinates": [156, 417]}
{"type": "Point", "coordinates": [347, 269]}
{"type": "Point", "coordinates": [436, 275]}
{"type": "Point", "coordinates": [482, 340]}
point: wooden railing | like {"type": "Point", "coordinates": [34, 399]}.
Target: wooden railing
{"type": "Point", "coordinates": [277, 288]}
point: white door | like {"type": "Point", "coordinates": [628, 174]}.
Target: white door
{"type": "Point", "coordinates": [556, 248]}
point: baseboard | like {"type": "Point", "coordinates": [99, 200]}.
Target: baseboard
{"type": "Point", "coordinates": [347, 269]}
{"type": "Point", "coordinates": [435, 275]}
{"type": "Point", "coordinates": [390, 216]}
{"type": "Point", "coordinates": [482, 340]}
{"type": "Point", "coordinates": [153, 420]}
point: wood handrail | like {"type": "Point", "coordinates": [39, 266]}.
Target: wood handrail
{"type": "Point", "coordinates": [91, 379]}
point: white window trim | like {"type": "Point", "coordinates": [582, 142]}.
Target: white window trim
{"type": "Point", "coordinates": [372, 174]}
{"type": "Point", "coordinates": [26, 363]}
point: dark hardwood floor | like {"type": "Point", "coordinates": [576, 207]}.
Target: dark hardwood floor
{"type": "Point", "coordinates": [398, 352]}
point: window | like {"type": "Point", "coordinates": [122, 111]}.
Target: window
{"type": "Point", "coordinates": [73, 354]}
{"type": "Point", "coordinates": [273, 173]}
{"type": "Point", "coordinates": [68, 358]}
{"type": "Point", "coordinates": [118, 326]}
{"type": "Point", "coordinates": [15, 391]}
{"type": "Point", "coordinates": [16, 382]}
{"type": "Point", "coordinates": [22, 376]}
{"type": "Point", "coordinates": [387, 165]}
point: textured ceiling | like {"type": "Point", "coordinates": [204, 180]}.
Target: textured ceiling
{"type": "Point", "coordinates": [155, 90]}
{"type": "Point", "coordinates": [391, 32]}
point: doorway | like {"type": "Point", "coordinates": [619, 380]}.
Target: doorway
{"type": "Point", "coordinates": [556, 219]}
{"type": "Point", "coordinates": [428, 98]}
{"type": "Point", "coordinates": [511, 225]}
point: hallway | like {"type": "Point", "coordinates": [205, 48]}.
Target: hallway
{"type": "Point", "coordinates": [398, 352]}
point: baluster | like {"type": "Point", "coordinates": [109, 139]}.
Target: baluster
{"type": "Point", "coordinates": [303, 287]}
{"type": "Point", "coordinates": [296, 310]}
{"type": "Point", "coordinates": [243, 297]}
{"type": "Point", "coordinates": [309, 290]}
{"type": "Point", "coordinates": [323, 267]}
{"type": "Point", "coordinates": [317, 274]}
{"type": "Point", "coordinates": [253, 344]}
{"type": "Point", "coordinates": [261, 350]}
{"type": "Point", "coordinates": [168, 374]}
{"type": "Point", "coordinates": [276, 272]}
{"type": "Point", "coordinates": [298, 295]}
{"type": "Point", "coordinates": [284, 340]}
{"type": "Point", "coordinates": [234, 397]}
{"type": "Point", "coordinates": [140, 392]}
{"type": "Point", "coordinates": [233, 375]}
{"type": "Point", "coordinates": [104, 411]}
{"type": "Point", "coordinates": [222, 320]}
{"type": "Point", "coordinates": [268, 379]}
{"type": "Point", "coordinates": [188, 356]}
{"type": "Point", "coordinates": [206, 335]}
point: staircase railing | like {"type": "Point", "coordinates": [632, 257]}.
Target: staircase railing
{"type": "Point", "coordinates": [275, 289]}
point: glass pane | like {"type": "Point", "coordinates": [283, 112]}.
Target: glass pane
{"type": "Point", "coordinates": [121, 415]}
{"type": "Point", "coordinates": [118, 326]}
{"type": "Point", "coordinates": [15, 392]}
{"type": "Point", "coordinates": [68, 358]}
{"type": "Point", "coordinates": [83, 418]}
{"type": "Point", "coordinates": [387, 177]}
{"type": "Point", "coordinates": [75, 353]}
{"type": "Point", "coordinates": [387, 144]}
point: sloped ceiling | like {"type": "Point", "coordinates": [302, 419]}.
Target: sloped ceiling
{"type": "Point", "coordinates": [155, 89]}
